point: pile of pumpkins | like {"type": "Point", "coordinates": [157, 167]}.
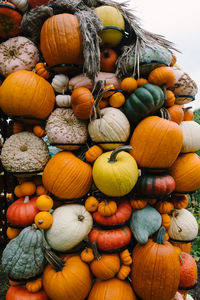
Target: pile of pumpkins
{"type": "Point", "coordinates": [103, 168]}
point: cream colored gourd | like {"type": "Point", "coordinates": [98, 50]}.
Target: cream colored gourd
{"type": "Point", "coordinates": [191, 136]}
{"type": "Point", "coordinates": [60, 83]}
{"type": "Point", "coordinates": [71, 224]}
{"type": "Point", "coordinates": [188, 297]}
{"type": "Point", "coordinates": [112, 125]}
{"type": "Point", "coordinates": [21, 4]}
{"type": "Point", "coordinates": [63, 100]}
{"type": "Point", "coordinates": [184, 226]}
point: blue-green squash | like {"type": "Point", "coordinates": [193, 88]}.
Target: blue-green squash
{"type": "Point", "coordinates": [145, 222]}
{"type": "Point", "coordinates": [145, 101]}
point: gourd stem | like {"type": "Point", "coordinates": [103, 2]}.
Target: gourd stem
{"type": "Point", "coordinates": [54, 260]}
{"type": "Point", "coordinates": [160, 237]}
{"type": "Point", "coordinates": [174, 215]}
{"type": "Point", "coordinates": [165, 114]}
{"type": "Point", "coordinates": [98, 99]}
{"type": "Point", "coordinates": [164, 91]}
{"type": "Point", "coordinates": [26, 199]}
{"type": "Point", "coordinates": [95, 250]}
{"type": "Point", "coordinates": [113, 156]}
{"type": "Point", "coordinates": [34, 227]}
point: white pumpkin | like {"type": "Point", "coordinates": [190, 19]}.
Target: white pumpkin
{"type": "Point", "coordinates": [188, 297]}
{"type": "Point", "coordinates": [184, 87]}
{"type": "Point", "coordinates": [184, 226]}
{"type": "Point", "coordinates": [63, 100]}
{"type": "Point", "coordinates": [191, 136]}
{"type": "Point", "coordinates": [113, 125]}
{"type": "Point", "coordinates": [63, 127]}
{"type": "Point", "coordinates": [17, 53]}
{"type": "Point", "coordinates": [71, 224]}
{"type": "Point", "coordinates": [60, 83]}
{"type": "Point", "coordinates": [21, 4]}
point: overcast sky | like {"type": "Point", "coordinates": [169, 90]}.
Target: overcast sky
{"type": "Point", "coordinates": [179, 22]}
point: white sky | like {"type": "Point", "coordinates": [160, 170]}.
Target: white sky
{"type": "Point", "coordinates": [179, 22]}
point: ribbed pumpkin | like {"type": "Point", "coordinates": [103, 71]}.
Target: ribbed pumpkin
{"type": "Point", "coordinates": [155, 266]}
{"type": "Point", "coordinates": [185, 171]}
{"type": "Point", "coordinates": [145, 101]}
{"type": "Point", "coordinates": [188, 275]}
{"type": "Point", "coordinates": [191, 136]}
{"type": "Point", "coordinates": [66, 176]}
{"type": "Point", "coordinates": [69, 278]}
{"type": "Point", "coordinates": [112, 289]}
{"type": "Point", "coordinates": [61, 40]}
{"type": "Point", "coordinates": [24, 93]}
{"type": "Point", "coordinates": [20, 292]}
{"type": "Point", "coordinates": [82, 102]}
{"type": "Point", "coordinates": [156, 142]}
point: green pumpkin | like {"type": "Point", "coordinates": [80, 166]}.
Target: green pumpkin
{"type": "Point", "coordinates": [145, 101]}
{"type": "Point", "coordinates": [23, 257]}
{"type": "Point", "coordinates": [144, 222]}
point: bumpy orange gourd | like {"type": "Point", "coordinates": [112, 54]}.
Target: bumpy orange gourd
{"type": "Point", "coordinates": [164, 207]}
{"type": "Point", "coordinates": [166, 221]}
{"type": "Point", "coordinates": [34, 286]}
{"type": "Point", "coordinates": [126, 257]}
{"type": "Point", "coordinates": [188, 271]}
{"type": "Point", "coordinates": [93, 153]}
{"type": "Point", "coordinates": [180, 201]}
{"type": "Point", "coordinates": [107, 208]}
{"type": "Point", "coordinates": [123, 272]}
{"type": "Point", "coordinates": [87, 255]}
{"type": "Point", "coordinates": [170, 98]}
{"type": "Point", "coordinates": [41, 70]}
{"type": "Point", "coordinates": [138, 203]}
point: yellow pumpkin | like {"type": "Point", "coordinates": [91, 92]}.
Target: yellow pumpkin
{"type": "Point", "coordinates": [115, 173]}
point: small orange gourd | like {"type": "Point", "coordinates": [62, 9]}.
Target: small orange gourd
{"type": "Point", "coordinates": [180, 201]}
{"type": "Point", "coordinates": [126, 257]}
{"type": "Point", "coordinates": [12, 232]}
{"type": "Point", "coordinates": [43, 220]}
{"type": "Point", "coordinates": [123, 272]}
{"type": "Point", "coordinates": [141, 81]}
{"type": "Point", "coordinates": [91, 204]}
{"type": "Point", "coordinates": [41, 70]}
{"type": "Point", "coordinates": [176, 113]}
{"type": "Point", "coordinates": [28, 188]}
{"type": "Point", "coordinates": [128, 84]}
{"type": "Point", "coordinates": [34, 286]}
{"type": "Point", "coordinates": [138, 203]}
{"type": "Point", "coordinates": [170, 98]}
{"type": "Point", "coordinates": [107, 208]}
{"type": "Point", "coordinates": [166, 221]}
{"type": "Point", "coordinates": [164, 207]}
{"type": "Point", "coordinates": [188, 114]}
{"type": "Point", "coordinates": [44, 203]}
{"type": "Point", "coordinates": [93, 153]}
{"type": "Point", "coordinates": [41, 190]}
{"type": "Point", "coordinates": [17, 191]}
{"type": "Point", "coordinates": [162, 76]}
{"type": "Point", "coordinates": [39, 131]}
{"type": "Point", "coordinates": [117, 100]}
{"type": "Point", "coordinates": [87, 255]}
{"type": "Point", "coordinates": [151, 201]}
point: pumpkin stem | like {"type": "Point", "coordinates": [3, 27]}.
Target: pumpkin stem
{"type": "Point", "coordinates": [34, 227]}
{"type": "Point", "coordinates": [81, 218]}
{"type": "Point", "coordinates": [113, 156]}
{"type": "Point", "coordinates": [98, 113]}
{"type": "Point", "coordinates": [160, 236]}
{"type": "Point", "coordinates": [165, 114]}
{"type": "Point", "coordinates": [164, 91]}
{"type": "Point", "coordinates": [54, 260]}
{"type": "Point", "coordinates": [95, 250]}
{"type": "Point", "coordinates": [174, 215]}
{"type": "Point", "coordinates": [26, 199]}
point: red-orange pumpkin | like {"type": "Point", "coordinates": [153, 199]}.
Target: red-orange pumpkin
{"type": "Point", "coordinates": [82, 102]}
{"type": "Point", "coordinates": [188, 271]}
{"type": "Point", "coordinates": [21, 293]}
{"type": "Point", "coordinates": [108, 59]}
{"type": "Point", "coordinates": [10, 20]}
{"type": "Point", "coordinates": [176, 113]}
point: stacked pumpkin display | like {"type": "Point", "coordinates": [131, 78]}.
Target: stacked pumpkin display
{"type": "Point", "coordinates": [99, 211]}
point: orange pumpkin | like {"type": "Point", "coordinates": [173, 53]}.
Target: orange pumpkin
{"type": "Point", "coordinates": [107, 208]}
{"type": "Point", "coordinates": [34, 286]}
{"type": "Point", "coordinates": [126, 257]}
{"type": "Point", "coordinates": [10, 20]}
{"type": "Point", "coordinates": [43, 220]}
{"type": "Point", "coordinates": [123, 272]}
{"type": "Point", "coordinates": [28, 188]}
{"type": "Point", "coordinates": [61, 40]}
{"type": "Point", "coordinates": [141, 81]}
{"type": "Point", "coordinates": [108, 58]}
{"type": "Point", "coordinates": [162, 76]}
{"type": "Point", "coordinates": [82, 103]}
{"type": "Point", "coordinates": [180, 200]}
{"type": "Point", "coordinates": [40, 190]}
{"type": "Point", "coordinates": [66, 176]}
{"type": "Point", "coordinates": [20, 292]}
{"type": "Point", "coordinates": [93, 153]}
{"type": "Point", "coordinates": [12, 232]}
{"type": "Point", "coordinates": [188, 272]}
{"type": "Point", "coordinates": [188, 114]}
{"type": "Point", "coordinates": [91, 204]}
{"type": "Point", "coordinates": [44, 202]}
{"type": "Point", "coordinates": [138, 203]}
{"type": "Point", "coordinates": [129, 84]}
{"type": "Point", "coordinates": [164, 207]}
{"type": "Point", "coordinates": [24, 93]}
{"type": "Point", "coordinates": [39, 131]}
{"type": "Point", "coordinates": [117, 100]}
{"type": "Point", "coordinates": [176, 113]}
{"type": "Point", "coordinates": [41, 70]}
{"type": "Point", "coordinates": [152, 139]}
{"type": "Point", "coordinates": [166, 221]}
{"type": "Point", "coordinates": [170, 98]}
{"type": "Point", "coordinates": [185, 247]}
{"type": "Point", "coordinates": [87, 255]}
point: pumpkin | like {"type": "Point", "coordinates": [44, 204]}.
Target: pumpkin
{"type": "Point", "coordinates": [184, 226]}
{"type": "Point", "coordinates": [123, 272]}
{"type": "Point", "coordinates": [104, 266]}
{"type": "Point", "coordinates": [189, 297]}
{"type": "Point", "coordinates": [191, 140]}
{"type": "Point", "coordinates": [43, 220]}
{"type": "Point", "coordinates": [170, 98]}
{"type": "Point", "coordinates": [63, 100]}
{"type": "Point", "coordinates": [66, 176]}
{"type": "Point", "coordinates": [185, 171]}
{"type": "Point", "coordinates": [40, 190]}
{"type": "Point", "coordinates": [144, 222]}
{"type": "Point", "coordinates": [156, 142]}
{"type": "Point", "coordinates": [93, 153]}
{"type": "Point", "coordinates": [34, 286]}
{"type": "Point", "coordinates": [17, 53]}
{"type": "Point", "coordinates": [129, 84]}
{"type": "Point", "coordinates": [82, 103]}
{"type": "Point", "coordinates": [29, 103]}
{"type": "Point", "coordinates": [69, 278]}
{"type": "Point", "coordinates": [176, 113]}
{"type": "Point", "coordinates": [87, 255]}
{"type": "Point", "coordinates": [18, 127]}
{"type": "Point", "coordinates": [107, 208]}
{"type": "Point", "coordinates": [188, 272]}
{"type": "Point", "coordinates": [60, 83]}
{"type": "Point", "coordinates": [155, 185]}
{"type": "Point", "coordinates": [41, 70]}
{"type": "Point", "coordinates": [138, 203]}
{"type": "Point", "coordinates": [44, 203]}
{"type": "Point", "coordinates": [71, 224]}
{"type": "Point", "coordinates": [28, 188]}
{"type": "Point", "coordinates": [120, 217]}
{"type": "Point", "coordinates": [115, 173]}
{"type": "Point", "coordinates": [112, 289]}
{"type": "Point", "coordinates": [188, 114]}
{"type": "Point", "coordinates": [61, 40]}
{"type": "Point", "coordinates": [164, 207]}
{"type": "Point", "coordinates": [10, 20]}
{"type": "Point", "coordinates": [20, 292]}
{"type": "Point", "coordinates": [166, 221]}
{"type": "Point", "coordinates": [39, 131]}
{"type": "Point", "coordinates": [110, 125]}
{"type": "Point", "coordinates": [180, 200]}
{"type": "Point", "coordinates": [17, 191]}
{"type": "Point", "coordinates": [111, 239]}
{"type": "Point", "coordinates": [108, 58]}
{"type": "Point", "coordinates": [141, 81]}
{"type": "Point", "coordinates": [185, 247]}
{"type": "Point", "coordinates": [22, 212]}
{"type": "Point", "coordinates": [91, 204]}
{"type": "Point", "coordinates": [126, 257]}
{"type": "Point", "coordinates": [24, 153]}
{"type": "Point", "coordinates": [23, 257]}
{"type": "Point", "coordinates": [117, 100]}
{"type": "Point", "coordinates": [110, 17]}
{"type": "Point", "coordinates": [12, 232]}
{"type": "Point", "coordinates": [162, 76]}
{"type": "Point", "coordinates": [155, 265]}
{"type": "Point", "coordinates": [144, 101]}
{"type": "Point", "coordinates": [65, 130]}
{"type": "Point", "coordinates": [83, 81]}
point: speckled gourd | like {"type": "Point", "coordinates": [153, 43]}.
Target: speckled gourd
{"type": "Point", "coordinates": [23, 257]}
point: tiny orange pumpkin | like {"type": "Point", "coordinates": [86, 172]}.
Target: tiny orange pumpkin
{"type": "Point", "coordinates": [107, 208]}
{"type": "Point", "coordinates": [91, 204]}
